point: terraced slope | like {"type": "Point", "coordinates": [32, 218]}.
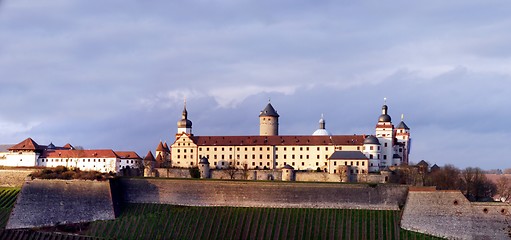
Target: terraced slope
{"type": "Point", "coordinates": [157, 221]}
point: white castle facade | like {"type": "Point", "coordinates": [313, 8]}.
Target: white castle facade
{"type": "Point", "coordinates": [361, 154]}
{"type": "Point", "coordinates": [28, 153]}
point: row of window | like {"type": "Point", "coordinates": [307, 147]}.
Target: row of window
{"type": "Point", "coordinates": [353, 171]}
{"type": "Point", "coordinates": [345, 163]}
{"type": "Point", "coordinates": [71, 160]}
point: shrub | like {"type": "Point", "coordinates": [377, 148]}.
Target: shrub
{"type": "Point", "coordinates": [194, 172]}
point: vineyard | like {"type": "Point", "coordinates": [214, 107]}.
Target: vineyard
{"type": "Point", "coordinates": [158, 221]}
{"type": "Point", "coordinates": [155, 221]}
{"type": "Point", "coordinates": [7, 199]}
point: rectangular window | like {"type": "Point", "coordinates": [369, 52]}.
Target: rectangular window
{"type": "Point", "coordinates": [384, 156]}
{"type": "Point", "coordinates": [214, 149]}
{"type": "Point", "coordinates": [335, 163]}
{"type": "Point", "coordinates": [267, 156]}
{"type": "Point", "coordinates": [223, 157]}
{"type": "Point", "coordinates": [214, 163]}
{"type": "Point", "coordinates": [253, 163]}
{"type": "Point", "coordinates": [303, 164]}
{"type": "Point", "coordinates": [260, 156]}
{"type": "Point", "coordinates": [317, 163]}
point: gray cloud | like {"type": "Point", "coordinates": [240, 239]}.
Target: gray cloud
{"type": "Point", "coordinates": [113, 75]}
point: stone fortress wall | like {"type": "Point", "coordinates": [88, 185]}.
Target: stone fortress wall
{"type": "Point", "coordinates": [440, 213]}
{"type": "Point", "coordinates": [268, 175]}
{"type": "Point", "coordinates": [262, 194]}
{"type": "Point", "coordinates": [449, 214]}
{"type": "Point", "coordinates": [50, 202]}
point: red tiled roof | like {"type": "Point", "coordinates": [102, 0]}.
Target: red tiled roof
{"type": "Point", "coordinates": [279, 140]}
{"type": "Point", "coordinates": [98, 153]}
{"type": "Point", "coordinates": [160, 147]}
{"type": "Point", "coordinates": [68, 146]}
{"type": "Point", "coordinates": [149, 157]}
{"type": "Point", "coordinates": [166, 147]}
{"type": "Point", "coordinates": [127, 154]}
{"type": "Point", "coordinates": [27, 144]}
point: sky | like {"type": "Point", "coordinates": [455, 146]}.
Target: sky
{"type": "Point", "coordinates": [114, 74]}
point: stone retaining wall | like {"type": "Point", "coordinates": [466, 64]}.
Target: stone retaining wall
{"type": "Point", "coordinates": [50, 202]}
{"type": "Point", "coordinates": [262, 194]}
{"type": "Point", "coordinates": [449, 214]}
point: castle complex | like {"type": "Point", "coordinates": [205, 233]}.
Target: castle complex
{"type": "Point", "coordinates": [321, 151]}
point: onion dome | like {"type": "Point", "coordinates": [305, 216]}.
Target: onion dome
{"type": "Point", "coordinates": [384, 117]}
{"type": "Point", "coordinates": [269, 111]}
{"type": "Point", "coordinates": [204, 160]}
{"type": "Point", "coordinates": [184, 122]}
{"type": "Point", "coordinates": [371, 140]}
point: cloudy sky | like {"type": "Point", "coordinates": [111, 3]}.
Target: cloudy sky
{"type": "Point", "coordinates": [113, 74]}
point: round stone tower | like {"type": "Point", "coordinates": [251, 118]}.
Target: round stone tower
{"type": "Point", "coordinates": [204, 168]}
{"type": "Point", "coordinates": [269, 121]}
{"type": "Point", "coordinates": [288, 173]}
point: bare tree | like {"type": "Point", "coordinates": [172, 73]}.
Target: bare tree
{"type": "Point", "coordinates": [244, 170]}
{"type": "Point", "coordinates": [77, 153]}
{"type": "Point", "coordinates": [475, 185]}
{"type": "Point", "coordinates": [504, 188]}
{"type": "Point", "coordinates": [343, 173]}
{"type": "Point", "coordinates": [231, 171]}
{"type": "Point", "coordinates": [446, 178]}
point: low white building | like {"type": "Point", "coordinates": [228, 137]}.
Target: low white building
{"type": "Point", "coordinates": [30, 154]}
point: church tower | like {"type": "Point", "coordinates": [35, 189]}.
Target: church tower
{"type": "Point", "coordinates": [184, 125]}
{"type": "Point", "coordinates": [385, 135]}
{"type": "Point", "coordinates": [269, 121]}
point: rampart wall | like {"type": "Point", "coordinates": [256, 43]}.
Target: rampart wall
{"type": "Point", "coordinates": [50, 202]}
{"type": "Point", "coordinates": [449, 214]}
{"type": "Point", "coordinates": [14, 177]}
{"type": "Point", "coordinates": [262, 194]}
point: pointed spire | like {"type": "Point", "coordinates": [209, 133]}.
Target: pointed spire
{"type": "Point", "coordinates": [160, 147]}
{"type": "Point", "coordinates": [149, 157]}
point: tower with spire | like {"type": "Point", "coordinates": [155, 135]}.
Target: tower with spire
{"type": "Point", "coordinates": [321, 131]}
{"type": "Point", "coordinates": [184, 125]}
{"type": "Point", "coordinates": [385, 135]}
{"type": "Point", "coordinates": [403, 138]}
{"type": "Point", "coordinates": [269, 121]}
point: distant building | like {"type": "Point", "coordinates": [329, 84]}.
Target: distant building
{"type": "Point", "coordinates": [28, 153]}
{"type": "Point", "coordinates": [363, 154]}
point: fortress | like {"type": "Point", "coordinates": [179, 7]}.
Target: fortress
{"type": "Point", "coordinates": [357, 154]}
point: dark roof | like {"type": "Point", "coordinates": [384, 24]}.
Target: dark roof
{"type": "Point", "coordinates": [422, 163]}
{"type": "Point", "coordinates": [287, 166]}
{"type": "Point", "coordinates": [166, 147]}
{"type": "Point", "coordinates": [27, 144]}
{"type": "Point", "coordinates": [269, 111]}
{"type": "Point", "coordinates": [384, 118]}
{"type": "Point", "coordinates": [371, 140]}
{"type": "Point", "coordinates": [402, 125]}
{"type": "Point", "coordinates": [204, 160]}
{"type": "Point", "coordinates": [278, 140]}
{"type": "Point", "coordinates": [347, 155]}
{"type": "Point", "coordinates": [149, 157]}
